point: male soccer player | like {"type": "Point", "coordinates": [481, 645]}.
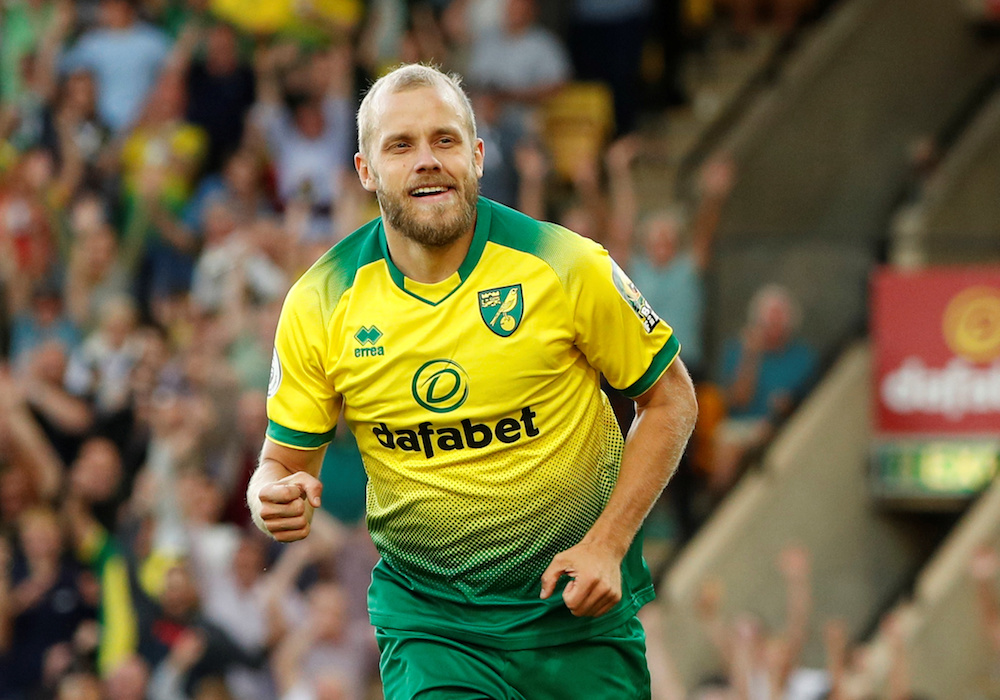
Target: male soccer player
{"type": "Point", "coordinates": [464, 342]}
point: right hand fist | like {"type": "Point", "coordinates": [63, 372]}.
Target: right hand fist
{"type": "Point", "coordinates": [286, 506]}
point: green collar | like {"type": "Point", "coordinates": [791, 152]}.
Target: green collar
{"type": "Point", "coordinates": [484, 213]}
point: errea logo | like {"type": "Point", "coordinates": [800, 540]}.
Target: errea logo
{"type": "Point", "coordinates": [367, 337]}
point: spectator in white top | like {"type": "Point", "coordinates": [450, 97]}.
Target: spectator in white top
{"type": "Point", "coordinates": [313, 140]}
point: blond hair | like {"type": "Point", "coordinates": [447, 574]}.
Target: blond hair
{"type": "Point", "coordinates": [410, 77]}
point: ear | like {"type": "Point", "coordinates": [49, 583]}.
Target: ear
{"type": "Point", "coordinates": [478, 155]}
{"type": "Point", "coordinates": [365, 173]}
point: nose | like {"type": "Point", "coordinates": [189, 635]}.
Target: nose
{"type": "Point", "coordinates": [427, 160]}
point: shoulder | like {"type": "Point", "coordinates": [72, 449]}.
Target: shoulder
{"type": "Point", "coordinates": [326, 281]}
{"type": "Point", "coordinates": [561, 249]}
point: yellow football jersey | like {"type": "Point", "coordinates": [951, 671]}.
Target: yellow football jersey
{"type": "Point", "coordinates": [476, 404]}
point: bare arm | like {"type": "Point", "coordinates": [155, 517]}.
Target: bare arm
{"type": "Point", "coordinates": [665, 416]}
{"type": "Point", "coordinates": [794, 564]}
{"type": "Point", "coordinates": [532, 170]}
{"type": "Point", "coordinates": [624, 205]}
{"type": "Point", "coordinates": [747, 375]}
{"type": "Point", "coordinates": [899, 663]}
{"type": "Point", "coordinates": [284, 490]}
{"type": "Point", "coordinates": [30, 446]}
{"type": "Point", "coordinates": [835, 641]}
{"type": "Point", "coordinates": [983, 568]}
{"type": "Point", "coordinates": [718, 632]}
{"type": "Point", "coordinates": [716, 183]}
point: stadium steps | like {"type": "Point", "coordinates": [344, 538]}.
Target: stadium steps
{"type": "Point", "coordinates": [955, 219]}
{"type": "Point", "coordinates": [719, 83]}
{"type": "Point", "coordinates": [811, 488]}
{"type": "Point", "coordinates": [947, 653]}
{"type": "Point", "coordinates": [824, 151]}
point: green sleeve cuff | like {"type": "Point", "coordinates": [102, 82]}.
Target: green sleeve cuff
{"type": "Point", "coordinates": [656, 368]}
{"type": "Point", "coordinates": [296, 438]}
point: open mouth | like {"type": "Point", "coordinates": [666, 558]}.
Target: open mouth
{"type": "Point", "coordinates": [430, 191]}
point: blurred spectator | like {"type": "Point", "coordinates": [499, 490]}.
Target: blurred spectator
{"type": "Point", "coordinates": [232, 263]}
{"type": "Point", "coordinates": [39, 322]}
{"type": "Point", "coordinates": [239, 185]}
{"type": "Point", "coordinates": [311, 141]}
{"type": "Point", "coordinates": [46, 602]}
{"type": "Point", "coordinates": [764, 373]}
{"type": "Point", "coordinates": [125, 55]}
{"type": "Point", "coordinates": [31, 37]}
{"type": "Point", "coordinates": [522, 62]}
{"type": "Point", "coordinates": [671, 277]}
{"type": "Point", "coordinates": [182, 646]}
{"type": "Point", "coordinates": [221, 90]}
{"type": "Point", "coordinates": [101, 368]}
{"type": "Point", "coordinates": [64, 417]}
{"type": "Point", "coordinates": [27, 239]}
{"type": "Point", "coordinates": [74, 131]}
{"type": "Point", "coordinates": [762, 665]}
{"type": "Point", "coordinates": [129, 680]}
{"type": "Point", "coordinates": [328, 656]}
{"type": "Point", "coordinates": [160, 161]}
{"type": "Point", "coordinates": [606, 42]}
{"type": "Point", "coordinates": [100, 267]}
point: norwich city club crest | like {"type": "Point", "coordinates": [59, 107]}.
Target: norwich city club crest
{"type": "Point", "coordinates": [502, 309]}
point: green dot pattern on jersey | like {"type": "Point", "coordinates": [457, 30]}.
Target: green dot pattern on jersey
{"type": "Point", "coordinates": [489, 528]}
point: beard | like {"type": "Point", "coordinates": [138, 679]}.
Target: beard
{"type": "Point", "coordinates": [446, 222]}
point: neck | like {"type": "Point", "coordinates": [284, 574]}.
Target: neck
{"type": "Point", "coordinates": [425, 264]}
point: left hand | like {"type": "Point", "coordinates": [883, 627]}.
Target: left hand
{"type": "Point", "coordinates": [596, 584]}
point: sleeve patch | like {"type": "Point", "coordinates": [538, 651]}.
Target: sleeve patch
{"type": "Point", "coordinates": [274, 381]}
{"type": "Point", "coordinates": [633, 297]}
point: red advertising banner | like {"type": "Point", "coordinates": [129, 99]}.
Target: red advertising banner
{"type": "Point", "coordinates": [937, 351]}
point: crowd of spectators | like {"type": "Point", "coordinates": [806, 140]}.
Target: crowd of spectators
{"type": "Point", "coordinates": [167, 169]}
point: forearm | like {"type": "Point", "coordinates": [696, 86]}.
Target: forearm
{"type": "Point", "coordinates": [663, 423]}
{"type": "Point", "coordinates": [745, 384]}
{"type": "Point", "coordinates": [36, 452]}
{"type": "Point", "coordinates": [798, 611]}
{"type": "Point", "coordinates": [67, 412]}
{"type": "Point", "coordinates": [174, 232]}
{"type": "Point", "coordinates": [989, 611]}
{"type": "Point", "coordinates": [531, 197]}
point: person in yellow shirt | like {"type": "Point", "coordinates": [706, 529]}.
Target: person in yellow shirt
{"type": "Point", "coordinates": [463, 342]}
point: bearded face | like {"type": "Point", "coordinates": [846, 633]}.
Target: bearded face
{"type": "Point", "coordinates": [434, 224]}
{"type": "Point", "coordinates": [424, 166]}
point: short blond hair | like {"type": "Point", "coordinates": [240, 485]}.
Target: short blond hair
{"type": "Point", "coordinates": [410, 76]}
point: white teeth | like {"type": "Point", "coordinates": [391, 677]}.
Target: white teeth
{"type": "Point", "coordinates": [429, 190]}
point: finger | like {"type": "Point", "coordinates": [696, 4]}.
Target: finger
{"type": "Point", "coordinates": [550, 577]}
{"type": "Point", "coordinates": [286, 524]}
{"type": "Point", "coordinates": [609, 602]}
{"type": "Point", "coordinates": [283, 510]}
{"type": "Point", "coordinates": [313, 490]}
{"type": "Point", "coordinates": [281, 493]}
{"type": "Point", "coordinates": [578, 594]}
{"type": "Point", "coordinates": [291, 535]}
{"type": "Point", "coordinates": [601, 598]}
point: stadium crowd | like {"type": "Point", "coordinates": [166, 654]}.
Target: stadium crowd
{"type": "Point", "coordinates": [167, 169]}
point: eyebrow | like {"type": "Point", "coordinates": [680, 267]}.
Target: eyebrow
{"type": "Point", "coordinates": [408, 136]}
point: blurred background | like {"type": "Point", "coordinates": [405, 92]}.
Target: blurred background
{"type": "Point", "coordinates": [806, 190]}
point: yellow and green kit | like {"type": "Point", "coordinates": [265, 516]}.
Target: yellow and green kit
{"type": "Point", "coordinates": [476, 404]}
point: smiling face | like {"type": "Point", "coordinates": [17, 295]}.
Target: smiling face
{"type": "Point", "coordinates": [424, 165]}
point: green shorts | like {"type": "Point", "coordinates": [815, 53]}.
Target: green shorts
{"type": "Point", "coordinates": [421, 666]}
